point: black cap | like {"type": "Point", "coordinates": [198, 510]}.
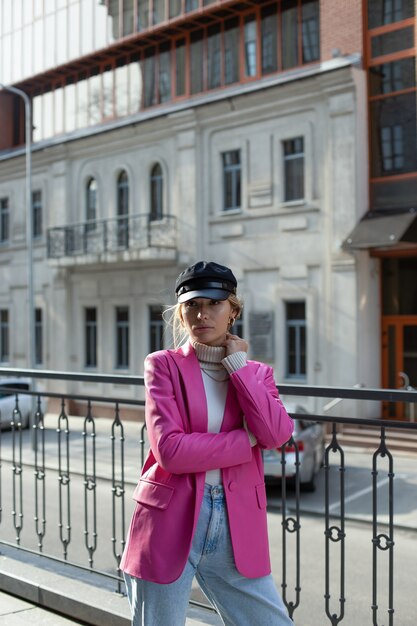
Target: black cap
{"type": "Point", "coordinates": [205, 279]}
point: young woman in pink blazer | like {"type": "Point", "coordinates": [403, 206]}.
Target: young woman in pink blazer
{"type": "Point", "coordinates": [201, 501]}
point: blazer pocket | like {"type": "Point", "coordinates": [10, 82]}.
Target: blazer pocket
{"type": "Point", "coordinates": [261, 495]}
{"type": "Point", "coordinates": [153, 494]}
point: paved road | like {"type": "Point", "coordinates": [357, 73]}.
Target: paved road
{"type": "Point", "coordinates": [311, 609]}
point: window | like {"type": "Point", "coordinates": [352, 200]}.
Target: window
{"type": "Point", "coordinates": [180, 67]}
{"type": "Point", "coordinates": [91, 337]}
{"type": "Point", "coordinates": [214, 57]}
{"type": "Point", "coordinates": [269, 39]}
{"type": "Point", "coordinates": [149, 77]}
{"type": "Point", "coordinates": [197, 61]}
{"type": "Point", "coordinates": [122, 337]}
{"type": "Point", "coordinates": [231, 51]}
{"type": "Point", "coordinates": [156, 328]}
{"type": "Point", "coordinates": [289, 34]}
{"type": "Point", "coordinates": [250, 45]}
{"type": "Point", "coordinates": [4, 336]}
{"type": "Point", "coordinates": [37, 214]}
{"type": "Point", "coordinates": [296, 339]}
{"type": "Point", "coordinates": [157, 191]}
{"type": "Point", "coordinates": [38, 337]}
{"type": "Point", "coordinates": [381, 12]}
{"type": "Point", "coordinates": [293, 169]}
{"type": "Point", "coordinates": [4, 220]}
{"type": "Point", "coordinates": [123, 210]}
{"type": "Point", "coordinates": [164, 73]}
{"type": "Point", "coordinates": [91, 205]}
{"type": "Point", "coordinates": [310, 31]}
{"type": "Point", "coordinates": [231, 180]}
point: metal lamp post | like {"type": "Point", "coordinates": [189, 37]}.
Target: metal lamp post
{"type": "Point", "coordinates": [29, 218]}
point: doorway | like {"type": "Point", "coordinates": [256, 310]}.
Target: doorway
{"type": "Point", "coordinates": [399, 332]}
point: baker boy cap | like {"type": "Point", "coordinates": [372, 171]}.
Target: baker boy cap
{"type": "Point", "coordinates": [205, 279]}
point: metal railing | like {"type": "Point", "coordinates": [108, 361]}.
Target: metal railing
{"type": "Point", "coordinates": [126, 232]}
{"type": "Point", "coordinates": [91, 461]}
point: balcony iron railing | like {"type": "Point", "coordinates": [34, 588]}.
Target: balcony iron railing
{"type": "Point", "coordinates": [98, 461]}
{"type": "Point", "coordinates": [127, 232]}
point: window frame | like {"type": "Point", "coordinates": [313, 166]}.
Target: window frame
{"type": "Point", "coordinates": [37, 214]}
{"type": "Point", "coordinates": [156, 190]}
{"type": "Point", "coordinates": [4, 220]}
{"type": "Point", "coordinates": [287, 159]}
{"type": "Point", "coordinates": [232, 172]}
{"type": "Point", "coordinates": [298, 325]}
{"type": "Point", "coordinates": [90, 338]}
{"type": "Point", "coordinates": [5, 335]}
{"type": "Point", "coordinates": [122, 338]}
{"type": "Point", "coordinates": [91, 222]}
{"type": "Point", "coordinates": [38, 335]}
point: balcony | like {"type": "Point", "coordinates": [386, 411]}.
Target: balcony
{"type": "Point", "coordinates": [125, 238]}
{"type": "Point", "coordinates": [67, 488]}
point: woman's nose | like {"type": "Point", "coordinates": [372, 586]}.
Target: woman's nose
{"type": "Point", "coordinates": [202, 313]}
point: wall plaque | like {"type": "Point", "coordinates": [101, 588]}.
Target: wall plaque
{"type": "Point", "coordinates": [261, 333]}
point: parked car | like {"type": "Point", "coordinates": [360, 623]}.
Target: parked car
{"type": "Point", "coordinates": [309, 436]}
{"type": "Point", "coordinates": [8, 401]}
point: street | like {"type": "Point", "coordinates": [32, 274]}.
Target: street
{"type": "Point", "coordinates": [311, 609]}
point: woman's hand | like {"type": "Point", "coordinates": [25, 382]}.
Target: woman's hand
{"type": "Point", "coordinates": [234, 343]}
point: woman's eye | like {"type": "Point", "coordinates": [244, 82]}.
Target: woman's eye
{"type": "Point", "coordinates": [215, 302]}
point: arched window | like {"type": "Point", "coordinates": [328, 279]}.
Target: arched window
{"type": "Point", "coordinates": [123, 210]}
{"type": "Point", "coordinates": [157, 193]}
{"type": "Point", "coordinates": [91, 204]}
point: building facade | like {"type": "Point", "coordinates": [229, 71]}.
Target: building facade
{"type": "Point", "coordinates": [277, 137]}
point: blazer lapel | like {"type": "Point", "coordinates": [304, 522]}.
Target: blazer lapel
{"type": "Point", "coordinates": [193, 387]}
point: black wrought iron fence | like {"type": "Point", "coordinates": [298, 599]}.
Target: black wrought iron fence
{"type": "Point", "coordinates": [63, 484]}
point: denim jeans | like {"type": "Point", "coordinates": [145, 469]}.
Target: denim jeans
{"type": "Point", "coordinates": [240, 601]}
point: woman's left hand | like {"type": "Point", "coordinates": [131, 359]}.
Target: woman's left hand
{"type": "Point", "coordinates": [234, 343]}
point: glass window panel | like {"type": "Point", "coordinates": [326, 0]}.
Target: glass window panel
{"type": "Point", "coordinates": [91, 203]}
{"type": "Point", "coordinates": [143, 14]}
{"type": "Point", "coordinates": [149, 77]}
{"type": "Point", "coordinates": [94, 100]}
{"type": "Point", "coordinates": [108, 93]}
{"type": "Point", "coordinates": [269, 26]}
{"type": "Point", "coordinates": [49, 6]}
{"type": "Point", "coordinates": [38, 47]}
{"type": "Point", "coordinates": [6, 56]}
{"type": "Point", "coordinates": [191, 5]}
{"type": "Point", "coordinates": [74, 41]}
{"type": "Point", "coordinates": [289, 34]}
{"type": "Point", "coordinates": [121, 90]}
{"type": "Point", "coordinates": [27, 50]}
{"type": "Point", "coordinates": [394, 41]}
{"type": "Point", "coordinates": [135, 87]}
{"type": "Point", "coordinates": [17, 14]}
{"type": "Point", "coordinates": [7, 17]}
{"type": "Point", "coordinates": [17, 53]}
{"type": "Point", "coordinates": [293, 169]}
{"type": "Point", "coordinates": [395, 76]}
{"type": "Point", "coordinates": [127, 17]}
{"type": "Point", "coordinates": [37, 118]}
{"type": "Point", "coordinates": [250, 45]}
{"type": "Point", "coordinates": [37, 213]}
{"type": "Point", "coordinates": [90, 337]}
{"type": "Point", "coordinates": [70, 108]}
{"type": "Point", "coordinates": [296, 339]}
{"type": "Point", "coordinates": [82, 104]}
{"type": "Point", "coordinates": [214, 57]}
{"type": "Point", "coordinates": [48, 115]}
{"type": "Point", "coordinates": [100, 26]}
{"type": "Point", "coordinates": [310, 31]}
{"type": "Point", "coordinates": [158, 11]}
{"type": "Point", "coordinates": [50, 39]}
{"type": "Point", "coordinates": [87, 26]}
{"type": "Point", "coordinates": [381, 12]}
{"type": "Point", "coordinates": [174, 8]}
{"type": "Point", "coordinates": [61, 36]}
{"type": "Point", "coordinates": [180, 67]}
{"type": "Point", "coordinates": [4, 335]}
{"type": "Point", "coordinates": [196, 62]}
{"type": "Point", "coordinates": [231, 180]}
{"type": "Point", "coordinates": [59, 110]}
{"type": "Point", "coordinates": [27, 11]}
{"type": "Point", "coordinates": [122, 337]}
{"type": "Point", "coordinates": [231, 51]}
{"type": "Point", "coordinates": [157, 195]}
{"type": "Point", "coordinates": [393, 135]}
{"type": "Point", "coordinates": [38, 337]}
{"type": "Point", "coordinates": [164, 62]}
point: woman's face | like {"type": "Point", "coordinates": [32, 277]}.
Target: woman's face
{"type": "Point", "coordinates": [207, 321]}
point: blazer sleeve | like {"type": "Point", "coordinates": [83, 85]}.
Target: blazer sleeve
{"type": "Point", "coordinates": [176, 450]}
{"type": "Point", "coordinates": [259, 400]}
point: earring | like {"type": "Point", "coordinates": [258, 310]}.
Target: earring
{"type": "Point", "coordinates": [231, 321]}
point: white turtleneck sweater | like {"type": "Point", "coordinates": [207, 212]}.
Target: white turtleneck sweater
{"type": "Point", "coordinates": [215, 369]}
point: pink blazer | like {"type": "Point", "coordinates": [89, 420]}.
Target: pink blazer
{"type": "Point", "coordinates": [171, 485]}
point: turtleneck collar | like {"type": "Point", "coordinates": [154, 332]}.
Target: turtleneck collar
{"type": "Point", "coordinates": [210, 357]}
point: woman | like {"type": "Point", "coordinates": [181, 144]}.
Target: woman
{"type": "Point", "coordinates": [201, 502]}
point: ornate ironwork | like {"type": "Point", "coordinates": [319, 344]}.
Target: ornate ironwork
{"type": "Point", "coordinates": [127, 232]}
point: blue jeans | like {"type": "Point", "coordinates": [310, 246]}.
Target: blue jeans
{"type": "Point", "coordinates": [240, 601]}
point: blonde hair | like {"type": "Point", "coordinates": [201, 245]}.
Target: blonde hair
{"type": "Point", "coordinates": [172, 316]}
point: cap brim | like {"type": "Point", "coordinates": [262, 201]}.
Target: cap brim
{"type": "Point", "coordinates": [211, 294]}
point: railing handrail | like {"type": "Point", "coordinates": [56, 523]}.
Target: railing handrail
{"type": "Point", "coordinates": [354, 393]}
{"type": "Point", "coordinates": [106, 220]}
